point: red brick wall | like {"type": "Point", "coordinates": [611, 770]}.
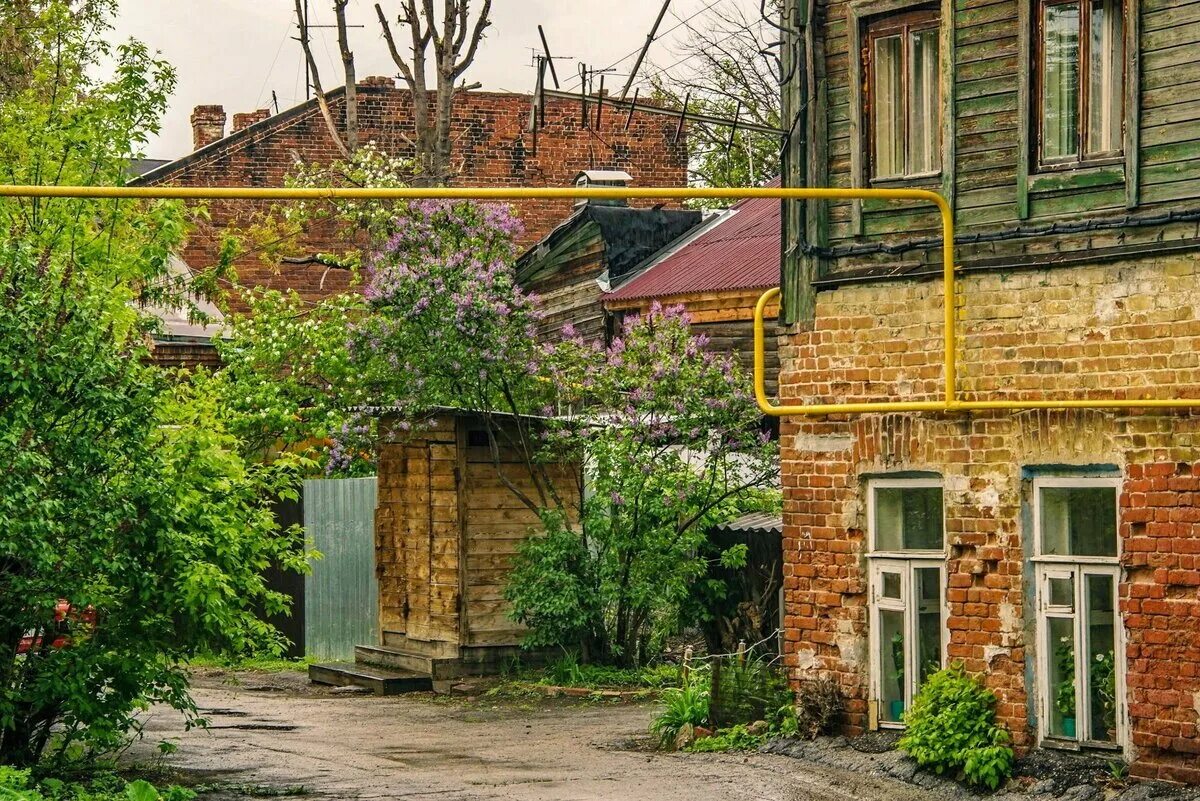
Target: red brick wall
{"type": "Point", "coordinates": [1125, 330]}
{"type": "Point", "coordinates": [492, 148]}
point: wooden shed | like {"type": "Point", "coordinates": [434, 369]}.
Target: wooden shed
{"type": "Point", "coordinates": [599, 244]}
{"type": "Point", "coordinates": [446, 529]}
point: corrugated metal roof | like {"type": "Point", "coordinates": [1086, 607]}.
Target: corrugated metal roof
{"type": "Point", "coordinates": [740, 251]}
{"type": "Point", "coordinates": [754, 521]}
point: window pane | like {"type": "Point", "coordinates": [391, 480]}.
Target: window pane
{"type": "Point", "coordinates": [924, 155]}
{"type": "Point", "coordinates": [908, 518]}
{"type": "Point", "coordinates": [1079, 521]}
{"type": "Point", "coordinates": [1060, 80]}
{"type": "Point", "coordinates": [927, 587]}
{"type": "Point", "coordinates": [1101, 659]}
{"type": "Point", "coordinates": [1060, 642]}
{"type": "Point", "coordinates": [891, 664]}
{"type": "Point", "coordinates": [1106, 69]}
{"type": "Point", "coordinates": [891, 586]}
{"type": "Point", "coordinates": [1062, 592]}
{"type": "Point", "coordinates": [888, 122]}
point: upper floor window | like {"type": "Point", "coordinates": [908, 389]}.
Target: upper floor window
{"type": "Point", "coordinates": [1081, 80]}
{"type": "Point", "coordinates": [902, 69]}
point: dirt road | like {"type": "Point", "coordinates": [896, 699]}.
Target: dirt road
{"type": "Point", "coordinates": [265, 737]}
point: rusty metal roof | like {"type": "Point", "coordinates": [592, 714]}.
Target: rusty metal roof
{"type": "Point", "coordinates": [738, 250]}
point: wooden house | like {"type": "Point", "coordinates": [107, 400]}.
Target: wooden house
{"type": "Point", "coordinates": [716, 271]}
{"type": "Point", "coordinates": [447, 525]}
{"type": "Point", "coordinates": [599, 244]}
{"type": "Point", "coordinates": [1043, 532]}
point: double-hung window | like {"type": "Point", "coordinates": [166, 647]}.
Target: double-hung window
{"type": "Point", "coordinates": [1080, 80]}
{"type": "Point", "coordinates": [901, 56]}
{"type": "Point", "coordinates": [905, 520]}
{"type": "Point", "coordinates": [1080, 660]}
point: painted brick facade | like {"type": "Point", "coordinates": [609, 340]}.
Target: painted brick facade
{"type": "Point", "coordinates": [492, 148]}
{"type": "Point", "coordinates": [1127, 330]}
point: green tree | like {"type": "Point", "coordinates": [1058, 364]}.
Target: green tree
{"type": "Point", "coordinates": [669, 441]}
{"type": "Point", "coordinates": [726, 68]}
{"type": "Point", "coordinates": [132, 534]}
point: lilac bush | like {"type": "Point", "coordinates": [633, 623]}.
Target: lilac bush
{"type": "Point", "coordinates": [670, 442]}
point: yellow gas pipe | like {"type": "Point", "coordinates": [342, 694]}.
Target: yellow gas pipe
{"type": "Point", "coordinates": [949, 403]}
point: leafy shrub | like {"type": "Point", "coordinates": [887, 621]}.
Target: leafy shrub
{"type": "Point", "coordinates": [682, 706]}
{"type": "Point", "coordinates": [819, 704]}
{"type": "Point", "coordinates": [19, 785]}
{"type": "Point", "coordinates": [735, 738]}
{"type": "Point", "coordinates": [952, 728]}
{"type": "Point", "coordinates": [749, 689]}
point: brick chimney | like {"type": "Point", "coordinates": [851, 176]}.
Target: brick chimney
{"type": "Point", "coordinates": [378, 82]}
{"type": "Point", "coordinates": [246, 119]}
{"type": "Point", "coordinates": [208, 125]}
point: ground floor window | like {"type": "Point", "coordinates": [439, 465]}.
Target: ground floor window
{"type": "Point", "coordinates": [907, 591]}
{"type": "Point", "coordinates": [1080, 659]}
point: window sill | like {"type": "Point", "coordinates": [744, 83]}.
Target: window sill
{"type": "Point", "coordinates": [1074, 177]}
{"type": "Point", "coordinates": [1077, 745]}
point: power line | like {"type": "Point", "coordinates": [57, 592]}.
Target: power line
{"type": "Point", "coordinates": [667, 32]}
{"type": "Point", "coordinates": [690, 56]}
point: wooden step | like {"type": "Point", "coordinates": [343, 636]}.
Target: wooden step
{"type": "Point", "coordinates": [381, 681]}
{"type": "Point", "coordinates": [394, 659]}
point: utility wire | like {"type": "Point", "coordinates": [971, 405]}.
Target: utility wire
{"type": "Point", "coordinates": [670, 30]}
{"type": "Point", "coordinates": [690, 56]}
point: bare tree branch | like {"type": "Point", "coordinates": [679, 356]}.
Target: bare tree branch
{"type": "Point", "coordinates": [339, 10]}
{"type": "Point", "coordinates": [322, 101]}
{"type": "Point", "coordinates": [432, 118]}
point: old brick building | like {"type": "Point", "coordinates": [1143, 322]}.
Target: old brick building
{"type": "Point", "coordinates": [1056, 553]}
{"type": "Point", "coordinates": [492, 147]}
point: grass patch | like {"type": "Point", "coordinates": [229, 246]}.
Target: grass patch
{"type": "Point", "coordinates": [256, 664]}
{"type": "Point", "coordinates": [255, 790]}
{"type": "Point", "coordinates": [567, 671]}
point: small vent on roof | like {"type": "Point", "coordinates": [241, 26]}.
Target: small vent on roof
{"type": "Point", "coordinates": [602, 178]}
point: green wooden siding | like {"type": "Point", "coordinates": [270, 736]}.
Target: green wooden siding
{"type": "Point", "coordinates": [994, 189]}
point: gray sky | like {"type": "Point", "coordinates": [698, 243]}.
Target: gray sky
{"type": "Point", "coordinates": [235, 52]}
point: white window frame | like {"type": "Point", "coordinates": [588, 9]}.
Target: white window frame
{"type": "Point", "coordinates": [1076, 568]}
{"type": "Point", "coordinates": [905, 563]}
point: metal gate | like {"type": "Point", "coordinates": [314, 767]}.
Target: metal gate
{"type": "Point", "coordinates": [341, 595]}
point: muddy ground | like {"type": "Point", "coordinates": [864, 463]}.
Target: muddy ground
{"type": "Point", "coordinates": [278, 736]}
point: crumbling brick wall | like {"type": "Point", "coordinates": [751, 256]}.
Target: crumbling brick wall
{"type": "Point", "coordinates": [492, 147]}
{"type": "Point", "coordinates": [1127, 330]}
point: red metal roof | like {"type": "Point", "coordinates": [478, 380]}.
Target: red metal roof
{"type": "Point", "coordinates": [741, 250]}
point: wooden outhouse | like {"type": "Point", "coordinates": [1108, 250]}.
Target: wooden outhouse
{"type": "Point", "coordinates": [447, 525]}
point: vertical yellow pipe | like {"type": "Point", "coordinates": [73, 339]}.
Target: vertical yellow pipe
{"type": "Point", "coordinates": [948, 308]}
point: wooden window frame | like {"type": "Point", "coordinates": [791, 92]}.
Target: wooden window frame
{"type": "Point", "coordinates": [924, 17]}
{"type": "Point", "coordinates": [1081, 158]}
{"type": "Point", "coordinates": [858, 12]}
{"type": "Point", "coordinates": [906, 562]}
{"type": "Point", "coordinates": [1047, 566]}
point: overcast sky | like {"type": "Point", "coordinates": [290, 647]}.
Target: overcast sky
{"type": "Point", "coordinates": [236, 52]}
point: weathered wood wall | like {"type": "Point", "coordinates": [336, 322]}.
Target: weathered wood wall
{"type": "Point", "coordinates": [986, 73]}
{"type": "Point", "coordinates": [727, 319]}
{"type": "Point", "coordinates": [446, 531]}
{"type": "Point", "coordinates": [417, 535]}
{"type": "Point", "coordinates": [569, 291]}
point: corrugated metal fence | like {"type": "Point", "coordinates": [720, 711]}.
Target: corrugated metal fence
{"type": "Point", "coordinates": [341, 596]}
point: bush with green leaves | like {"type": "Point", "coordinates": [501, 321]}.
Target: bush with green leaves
{"type": "Point", "coordinates": [20, 785]}
{"type": "Point", "coordinates": [669, 440]}
{"type": "Point", "coordinates": [132, 533]}
{"type": "Point", "coordinates": [952, 729]}
{"type": "Point", "coordinates": [686, 705]}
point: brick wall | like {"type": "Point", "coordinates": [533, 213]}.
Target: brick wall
{"type": "Point", "coordinates": [492, 148]}
{"type": "Point", "coordinates": [1127, 330]}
